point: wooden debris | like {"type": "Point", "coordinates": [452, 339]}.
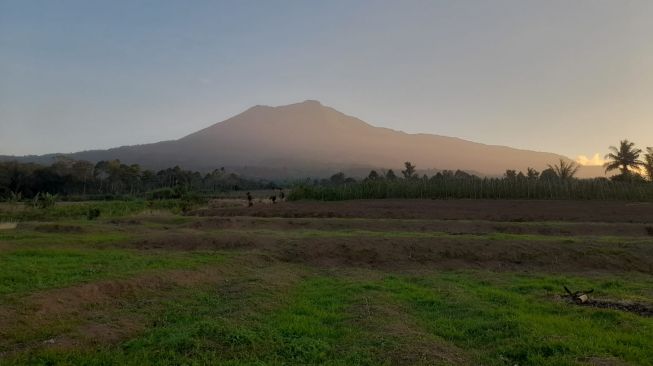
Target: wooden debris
{"type": "Point", "coordinates": [579, 297]}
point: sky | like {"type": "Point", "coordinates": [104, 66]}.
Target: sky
{"type": "Point", "coordinates": [570, 77]}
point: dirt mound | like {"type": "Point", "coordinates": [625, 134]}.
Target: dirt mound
{"type": "Point", "coordinates": [631, 307]}
{"type": "Point", "coordinates": [59, 228]}
{"type": "Point", "coordinates": [448, 253]}
{"type": "Point", "coordinates": [178, 241]}
{"type": "Point", "coordinates": [419, 226]}
{"type": "Point", "coordinates": [399, 245]}
{"type": "Point", "coordinates": [125, 222]}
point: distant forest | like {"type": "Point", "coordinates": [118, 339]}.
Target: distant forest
{"type": "Point", "coordinates": [113, 179]}
{"type": "Point", "coordinates": [633, 181]}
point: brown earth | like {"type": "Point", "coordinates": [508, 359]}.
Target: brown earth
{"type": "Point", "coordinates": [492, 210]}
{"type": "Point", "coordinates": [446, 253]}
{"type": "Point", "coordinates": [385, 250]}
{"type": "Point", "coordinates": [57, 228]}
{"type": "Point", "coordinates": [476, 227]}
{"type": "Point", "coordinates": [543, 236]}
{"type": "Point", "coordinates": [632, 307]}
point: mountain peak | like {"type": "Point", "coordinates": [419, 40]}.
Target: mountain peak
{"type": "Point", "coordinates": [307, 103]}
{"type": "Point", "coordinates": [312, 102]}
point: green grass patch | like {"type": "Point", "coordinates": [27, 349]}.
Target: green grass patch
{"type": "Point", "coordinates": [28, 270]}
{"type": "Point", "coordinates": [79, 210]}
{"type": "Point", "coordinates": [307, 325]}
{"type": "Point", "coordinates": [516, 320]}
{"type": "Point", "coordinates": [487, 318]}
{"type": "Point", "coordinates": [35, 238]}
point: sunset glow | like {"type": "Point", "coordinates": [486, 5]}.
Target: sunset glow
{"type": "Point", "coordinates": [596, 159]}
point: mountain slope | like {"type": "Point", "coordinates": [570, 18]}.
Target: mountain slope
{"type": "Point", "coordinates": [311, 139]}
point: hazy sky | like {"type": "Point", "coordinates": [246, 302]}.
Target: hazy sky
{"type": "Point", "coordinates": [564, 76]}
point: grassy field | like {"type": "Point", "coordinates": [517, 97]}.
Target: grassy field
{"type": "Point", "coordinates": [147, 286]}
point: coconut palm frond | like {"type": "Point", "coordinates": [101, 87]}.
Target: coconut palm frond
{"type": "Point", "coordinates": [565, 169]}
{"type": "Point", "coordinates": [624, 158]}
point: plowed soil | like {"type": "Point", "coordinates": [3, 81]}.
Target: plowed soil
{"type": "Point", "coordinates": [492, 210]}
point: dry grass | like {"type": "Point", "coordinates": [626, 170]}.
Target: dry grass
{"type": "Point", "coordinates": [8, 225]}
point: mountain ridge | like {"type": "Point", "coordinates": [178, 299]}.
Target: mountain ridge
{"type": "Point", "coordinates": [310, 139]}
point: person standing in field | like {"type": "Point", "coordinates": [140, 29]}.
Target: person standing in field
{"type": "Point", "coordinates": [249, 200]}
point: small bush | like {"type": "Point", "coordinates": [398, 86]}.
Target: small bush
{"type": "Point", "coordinates": [162, 194]}
{"type": "Point", "coordinates": [44, 200]}
{"type": "Point", "coordinates": [189, 201]}
{"type": "Point", "coordinates": [93, 213]}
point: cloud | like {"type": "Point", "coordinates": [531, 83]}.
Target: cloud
{"type": "Point", "coordinates": [593, 161]}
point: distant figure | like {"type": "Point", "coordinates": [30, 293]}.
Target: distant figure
{"type": "Point", "coordinates": [282, 195]}
{"type": "Point", "coordinates": [249, 200]}
{"type": "Point", "coordinates": [273, 199]}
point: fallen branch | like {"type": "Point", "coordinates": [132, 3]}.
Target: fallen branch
{"type": "Point", "coordinates": [580, 297]}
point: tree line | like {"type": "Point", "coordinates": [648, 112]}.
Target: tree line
{"type": "Point", "coordinates": [557, 181]}
{"type": "Point", "coordinates": [625, 159]}
{"type": "Point", "coordinates": [106, 179]}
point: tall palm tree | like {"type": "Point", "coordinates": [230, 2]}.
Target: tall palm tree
{"type": "Point", "coordinates": [625, 158]}
{"type": "Point", "coordinates": [648, 163]}
{"type": "Point", "coordinates": [565, 169]}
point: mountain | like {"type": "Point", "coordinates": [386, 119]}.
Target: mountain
{"type": "Point", "coordinates": [309, 139]}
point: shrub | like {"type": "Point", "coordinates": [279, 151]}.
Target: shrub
{"type": "Point", "coordinates": [162, 194]}
{"type": "Point", "coordinates": [93, 213]}
{"type": "Point", "coordinates": [44, 200]}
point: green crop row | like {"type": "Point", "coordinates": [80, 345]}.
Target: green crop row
{"type": "Point", "coordinates": [474, 188]}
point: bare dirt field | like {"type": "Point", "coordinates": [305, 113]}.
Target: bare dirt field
{"type": "Point", "coordinates": [495, 210]}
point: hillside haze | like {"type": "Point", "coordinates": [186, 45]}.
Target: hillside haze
{"type": "Point", "coordinates": [309, 139]}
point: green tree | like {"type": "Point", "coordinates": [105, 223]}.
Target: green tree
{"type": "Point", "coordinates": [409, 172]}
{"type": "Point", "coordinates": [132, 175]}
{"type": "Point", "coordinates": [63, 165]}
{"type": "Point", "coordinates": [548, 174]}
{"type": "Point", "coordinates": [625, 158]}
{"type": "Point", "coordinates": [83, 171]}
{"type": "Point", "coordinates": [459, 174]}
{"type": "Point", "coordinates": [565, 170]}
{"type": "Point", "coordinates": [338, 178]}
{"type": "Point", "coordinates": [510, 174]}
{"type": "Point", "coordinates": [390, 175]}
{"type": "Point", "coordinates": [532, 174]}
{"type": "Point", "coordinates": [373, 175]}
